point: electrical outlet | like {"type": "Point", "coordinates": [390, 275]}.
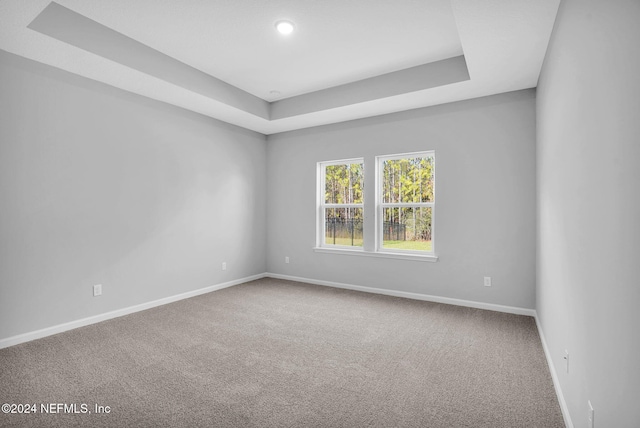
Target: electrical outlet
{"type": "Point", "coordinates": [224, 265]}
{"type": "Point", "coordinates": [97, 290]}
{"type": "Point", "coordinates": [566, 360]}
{"type": "Point", "coordinates": [286, 259]}
{"type": "Point", "coordinates": [590, 415]}
{"type": "Point", "coordinates": [487, 281]}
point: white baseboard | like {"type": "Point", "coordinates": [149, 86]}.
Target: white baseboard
{"type": "Point", "coordinates": [554, 376]}
{"type": "Point", "coordinates": [26, 337]}
{"type": "Point", "coordinates": [415, 296]}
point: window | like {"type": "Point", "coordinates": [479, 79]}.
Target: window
{"type": "Point", "coordinates": [341, 203]}
{"type": "Point", "coordinates": [406, 203]}
{"type": "Point", "coordinates": [401, 208]}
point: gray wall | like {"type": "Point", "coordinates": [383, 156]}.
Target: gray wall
{"type": "Point", "coordinates": [485, 212]}
{"type": "Point", "coordinates": [588, 290]}
{"type": "Point", "coordinates": [101, 186]}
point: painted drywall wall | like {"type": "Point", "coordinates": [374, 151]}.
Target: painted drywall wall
{"type": "Point", "coordinates": [588, 275]}
{"type": "Point", "coordinates": [98, 186]}
{"type": "Point", "coordinates": [485, 203]}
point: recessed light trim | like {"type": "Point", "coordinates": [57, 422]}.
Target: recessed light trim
{"type": "Point", "coordinates": [285, 27]}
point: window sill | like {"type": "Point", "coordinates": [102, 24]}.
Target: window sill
{"type": "Point", "coordinates": [380, 254]}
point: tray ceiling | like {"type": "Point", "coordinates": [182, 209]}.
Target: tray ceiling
{"type": "Point", "coordinates": [345, 60]}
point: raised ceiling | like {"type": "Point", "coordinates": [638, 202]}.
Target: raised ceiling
{"type": "Point", "coordinates": [346, 59]}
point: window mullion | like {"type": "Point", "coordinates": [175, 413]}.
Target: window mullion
{"type": "Point", "coordinates": [407, 204]}
{"type": "Point", "coordinates": [342, 205]}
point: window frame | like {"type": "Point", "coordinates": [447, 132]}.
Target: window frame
{"type": "Point", "coordinates": [322, 205]}
{"type": "Point", "coordinates": [380, 205]}
{"type": "Point", "coordinates": [372, 207]}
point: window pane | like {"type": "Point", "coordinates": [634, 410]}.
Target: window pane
{"type": "Point", "coordinates": [343, 226]}
{"type": "Point", "coordinates": [407, 180]}
{"type": "Point", "coordinates": [407, 228]}
{"type": "Point", "coordinates": [344, 184]}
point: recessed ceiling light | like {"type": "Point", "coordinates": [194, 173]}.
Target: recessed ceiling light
{"type": "Point", "coordinates": [285, 27]}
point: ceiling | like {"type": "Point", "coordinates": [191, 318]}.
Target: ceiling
{"type": "Point", "coordinates": [346, 59]}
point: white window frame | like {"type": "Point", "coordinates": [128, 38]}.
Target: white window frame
{"type": "Point", "coordinates": [380, 206]}
{"type": "Point", "coordinates": [372, 231]}
{"type": "Point", "coordinates": [322, 205]}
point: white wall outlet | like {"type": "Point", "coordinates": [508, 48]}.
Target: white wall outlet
{"type": "Point", "coordinates": [224, 265]}
{"type": "Point", "coordinates": [566, 360]}
{"type": "Point", "coordinates": [487, 281]}
{"type": "Point", "coordinates": [286, 259]}
{"type": "Point", "coordinates": [590, 415]}
{"type": "Point", "coordinates": [97, 290]}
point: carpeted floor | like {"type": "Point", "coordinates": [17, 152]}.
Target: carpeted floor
{"type": "Point", "coordinates": [273, 353]}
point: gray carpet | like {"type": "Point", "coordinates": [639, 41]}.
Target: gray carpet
{"type": "Point", "coordinates": [274, 353]}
